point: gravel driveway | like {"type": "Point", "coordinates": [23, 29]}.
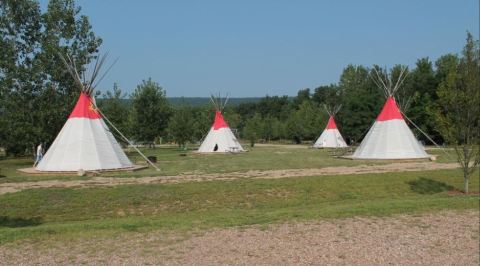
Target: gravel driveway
{"type": "Point", "coordinates": [446, 238]}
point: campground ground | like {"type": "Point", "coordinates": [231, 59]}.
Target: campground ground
{"type": "Point", "coordinates": [277, 204]}
{"type": "Point", "coordinates": [99, 181]}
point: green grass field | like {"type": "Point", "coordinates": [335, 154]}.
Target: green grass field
{"type": "Point", "coordinates": [172, 163]}
{"type": "Point", "coordinates": [66, 213]}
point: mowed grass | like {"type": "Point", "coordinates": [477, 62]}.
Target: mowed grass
{"type": "Point", "coordinates": [174, 161]}
{"type": "Point", "coordinates": [65, 213]}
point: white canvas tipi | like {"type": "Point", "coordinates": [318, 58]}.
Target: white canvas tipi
{"type": "Point", "coordinates": [390, 137]}
{"type": "Point", "coordinates": [220, 138]}
{"type": "Point", "coordinates": [331, 137]}
{"type": "Point", "coordinates": [85, 142]}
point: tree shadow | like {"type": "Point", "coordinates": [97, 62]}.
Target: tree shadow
{"type": "Point", "coordinates": [6, 221]}
{"type": "Point", "coordinates": [428, 186]}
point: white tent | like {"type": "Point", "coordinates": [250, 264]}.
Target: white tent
{"type": "Point", "coordinates": [390, 137]}
{"type": "Point", "coordinates": [85, 142]}
{"type": "Point", "coordinates": [331, 137]}
{"type": "Point", "coordinates": [220, 138]}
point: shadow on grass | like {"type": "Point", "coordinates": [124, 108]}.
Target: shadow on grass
{"type": "Point", "coordinates": [6, 221]}
{"type": "Point", "coordinates": [428, 186]}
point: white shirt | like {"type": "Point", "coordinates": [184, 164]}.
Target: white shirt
{"type": "Point", "coordinates": [39, 149]}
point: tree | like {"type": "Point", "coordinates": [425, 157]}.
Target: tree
{"type": "Point", "coordinates": [275, 106]}
{"type": "Point", "coordinates": [151, 112]}
{"type": "Point", "coordinates": [233, 118]}
{"type": "Point", "coordinates": [361, 101]}
{"type": "Point", "coordinates": [293, 130]}
{"type": "Point", "coordinates": [302, 95]}
{"type": "Point", "coordinates": [252, 129]}
{"type": "Point", "coordinates": [329, 95]}
{"type": "Point", "coordinates": [458, 113]}
{"type": "Point", "coordinates": [180, 128]}
{"type": "Point", "coordinates": [203, 118]}
{"type": "Point", "coordinates": [305, 123]}
{"type": "Point", "coordinates": [115, 108]}
{"type": "Point", "coordinates": [420, 87]}
{"type": "Point", "coordinates": [444, 65]}
{"type": "Point", "coordinates": [36, 93]}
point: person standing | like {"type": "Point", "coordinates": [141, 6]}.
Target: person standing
{"type": "Point", "coordinates": [39, 154]}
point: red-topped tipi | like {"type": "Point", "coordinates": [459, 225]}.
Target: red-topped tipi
{"type": "Point", "coordinates": [331, 137]}
{"type": "Point", "coordinates": [85, 142]}
{"type": "Point", "coordinates": [220, 138]}
{"type": "Point", "coordinates": [390, 137]}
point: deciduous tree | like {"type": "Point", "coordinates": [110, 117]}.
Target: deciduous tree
{"type": "Point", "coordinates": [151, 112]}
{"type": "Point", "coordinates": [458, 115]}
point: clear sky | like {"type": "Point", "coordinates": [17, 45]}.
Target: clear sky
{"type": "Point", "coordinates": [275, 47]}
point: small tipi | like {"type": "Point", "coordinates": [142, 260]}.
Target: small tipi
{"type": "Point", "coordinates": [331, 137]}
{"type": "Point", "coordinates": [85, 142]}
{"type": "Point", "coordinates": [390, 137]}
{"type": "Point", "coordinates": [220, 138]}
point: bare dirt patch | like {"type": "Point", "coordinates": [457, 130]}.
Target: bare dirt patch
{"type": "Point", "coordinates": [287, 146]}
{"type": "Point", "coordinates": [269, 174]}
{"type": "Point", "coordinates": [445, 238]}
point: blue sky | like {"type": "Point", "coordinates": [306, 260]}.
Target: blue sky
{"type": "Point", "coordinates": [275, 47]}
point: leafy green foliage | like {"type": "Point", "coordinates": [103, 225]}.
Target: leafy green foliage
{"type": "Point", "coordinates": [151, 112]}
{"type": "Point", "coordinates": [361, 102]}
{"type": "Point", "coordinates": [458, 111]}
{"type": "Point", "coordinates": [115, 109]}
{"type": "Point", "coordinates": [420, 89]}
{"type": "Point", "coordinates": [180, 127]}
{"type": "Point", "coordinates": [251, 130]}
{"type": "Point", "coordinates": [36, 93]}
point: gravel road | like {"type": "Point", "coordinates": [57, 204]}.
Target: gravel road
{"type": "Point", "coordinates": [445, 238]}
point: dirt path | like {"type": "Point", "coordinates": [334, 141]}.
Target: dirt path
{"type": "Point", "coordinates": [270, 174]}
{"type": "Point", "coordinates": [284, 146]}
{"type": "Point", "coordinates": [445, 238]}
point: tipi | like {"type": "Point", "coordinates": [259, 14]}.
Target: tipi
{"type": "Point", "coordinates": [390, 137]}
{"type": "Point", "coordinates": [85, 142]}
{"type": "Point", "coordinates": [220, 138]}
{"type": "Point", "coordinates": [331, 137]}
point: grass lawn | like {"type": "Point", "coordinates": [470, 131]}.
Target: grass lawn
{"type": "Point", "coordinates": [65, 213]}
{"type": "Point", "coordinates": [171, 163]}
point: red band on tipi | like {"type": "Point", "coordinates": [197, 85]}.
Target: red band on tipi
{"type": "Point", "coordinates": [390, 111]}
{"type": "Point", "coordinates": [331, 123]}
{"type": "Point", "coordinates": [219, 121]}
{"type": "Point", "coordinates": [85, 108]}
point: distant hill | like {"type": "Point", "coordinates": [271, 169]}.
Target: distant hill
{"type": "Point", "coordinates": [200, 101]}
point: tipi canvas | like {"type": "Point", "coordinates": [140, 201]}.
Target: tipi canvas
{"type": "Point", "coordinates": [85, 142]}
{"type": "Point", "coordinates": [331, 137]}
{"type": "Point", "coordinates": [220, 138]}
{"type": "Point", "coordinates": [390, 137]}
